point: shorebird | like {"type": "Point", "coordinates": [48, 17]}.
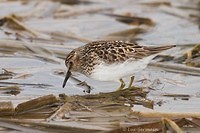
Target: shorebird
{"type": "Point", "coordinates": [111, 60]}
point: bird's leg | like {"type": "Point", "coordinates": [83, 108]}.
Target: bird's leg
{"type": "Point", "coordinates": [122, 85]}
{"type": "Point", "coordinates": [131, 81]}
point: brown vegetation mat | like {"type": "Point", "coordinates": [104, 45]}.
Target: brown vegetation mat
{"type": "Point", "coordinates": [108, 112]}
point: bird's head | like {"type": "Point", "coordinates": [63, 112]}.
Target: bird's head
{"type": "Point", "coordinates": [73, 64]}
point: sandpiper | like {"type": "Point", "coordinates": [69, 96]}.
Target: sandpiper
{"type": "Point", "coordinates": [111, 60]}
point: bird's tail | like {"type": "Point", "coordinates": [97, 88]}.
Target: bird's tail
{"type": "Point", "coordinates": [157, 49]}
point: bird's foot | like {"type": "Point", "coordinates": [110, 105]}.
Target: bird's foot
{"type": "Point", "coordinates": [122, 85]}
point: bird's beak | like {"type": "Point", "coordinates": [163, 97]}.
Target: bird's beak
{"type": "Point", "coordinates": [67, 76]}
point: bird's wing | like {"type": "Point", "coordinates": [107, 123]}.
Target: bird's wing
{"type": "Point", "coordinates": [119, 51]}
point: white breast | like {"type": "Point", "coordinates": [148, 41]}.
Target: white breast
{"type": "Point", "coordinates": [113, 72]}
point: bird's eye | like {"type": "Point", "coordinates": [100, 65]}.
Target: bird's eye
{"type": "Point", "coordinates": [70, 64]}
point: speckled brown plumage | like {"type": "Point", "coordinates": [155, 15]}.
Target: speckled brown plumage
{"type": "Point", "coordinates": [96, 52]}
